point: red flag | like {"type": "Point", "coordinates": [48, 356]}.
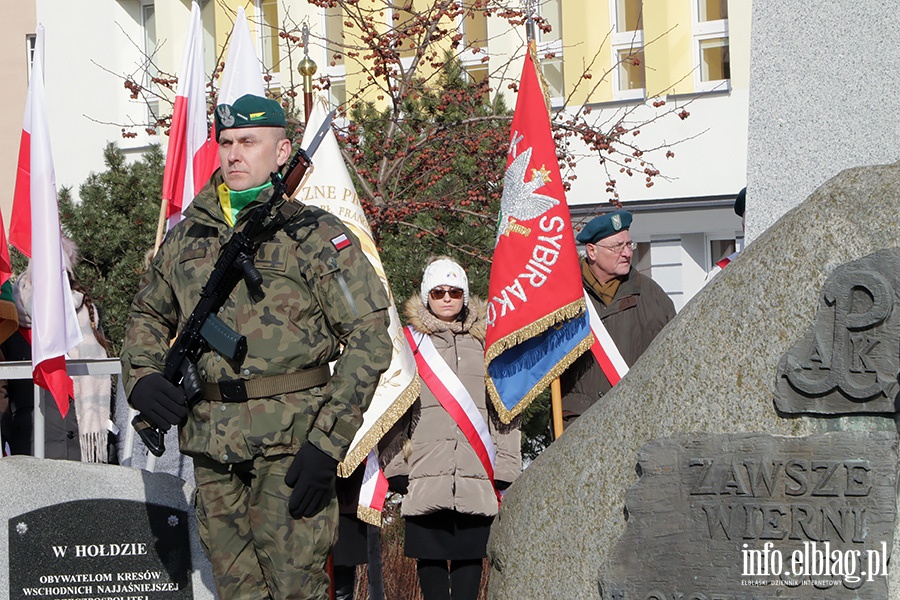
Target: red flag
{"type": "Point", "coordinates": [536, 325]}
{"type": "Point", "coordinates": [190, 158]}
{"type": "Point", "coordinates": [54, 324]}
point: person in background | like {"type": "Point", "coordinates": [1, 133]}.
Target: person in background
{"type": "Point", "coordinates": [632, 307]}
{"type": "Point", "coordinates": [84, 432]}
{"type": "Point", "coordinates": [450, 499]}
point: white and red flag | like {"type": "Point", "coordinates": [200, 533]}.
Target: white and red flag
{"type": "Point", "coordinates": [55, 328]}
{"type": "Point", "coordinates": [536, 320]}
{"type": "Point", "coordinates": [191, 156]}
{"type": "Point", "coordinates": [604, 348]}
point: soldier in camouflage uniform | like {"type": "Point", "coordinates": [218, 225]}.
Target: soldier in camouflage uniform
{"type": "Point", "coordinates": [269, 432]}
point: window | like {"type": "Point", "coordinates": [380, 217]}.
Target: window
{"type": "Point", "coordinates": [641, 259]}
{"type": "Point", "coordinates": [267, 23]}
{"type": "Point", "coordinates": [550, 50]}
{"type": "Point", "coordinates": [720, 248]}
{"type": "Point", "coordinates": [400, 17]}
{"type": "Point", "coordinates": [631, 70]}
{"type": "Point", "coordinates": [628, 16]}
{"type": "Point", "coordinates": [628, 49]}
{"type": "Point", "coordinates": [712, 10]}
{"type": "Point", "coordinates": [472, 25]}
{"type": "Point", "coordinates": [335, 69]}
{"type": "Point", "coordinates": [30, 42]}
{"type": "Point", "coordinates": [333, 21]}
{"type": "Point", "coordinates": [711, 54]}
{"type": "Point", "coordinates": [148, 28]}
{"type": "Point", "coordinates": [714, 60]}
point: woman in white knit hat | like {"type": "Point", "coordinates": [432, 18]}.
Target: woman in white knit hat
{"type": "Point", "coordinates": [458, 457]}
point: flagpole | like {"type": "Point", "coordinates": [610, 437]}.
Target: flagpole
{"type": "Point", "coordinates": [307, 68]}
{"type": "Point", "coordinates": [160, 225]}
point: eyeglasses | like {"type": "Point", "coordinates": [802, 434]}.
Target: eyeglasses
{"type": "Point", "coordinates": [620, 247]}
{"type": "Point", "coordinates": [438, 293]}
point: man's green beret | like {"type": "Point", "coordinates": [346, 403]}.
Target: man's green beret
{"type": "Point", "coordinates": [249, 111]}
{"type": "Point", "coordinates": [604, 226]}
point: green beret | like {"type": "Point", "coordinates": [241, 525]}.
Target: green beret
{"type": "Point", "coordinates": [249, 111]}
{"type": "Point", "coordinates": [739, 202]}
{"type": "Point", "coordinates": [604, 226]}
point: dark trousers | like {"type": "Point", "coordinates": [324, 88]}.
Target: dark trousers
{"type": "Point", "coordinates": [449, 580]}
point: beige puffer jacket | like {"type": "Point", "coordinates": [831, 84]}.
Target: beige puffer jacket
{"type": "Point", "coordinates": [444, 471]}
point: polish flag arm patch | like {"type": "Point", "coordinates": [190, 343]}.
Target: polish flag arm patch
{"type": "Point", "coordinates": [340, 242]}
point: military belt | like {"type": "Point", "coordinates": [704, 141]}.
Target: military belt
{"type": "Point", "coordinates": [241, 390]}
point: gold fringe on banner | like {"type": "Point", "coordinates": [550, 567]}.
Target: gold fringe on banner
{"type": "Point", "coordinates": [569, 311]}
{"type": "Point", "coordinates": [384, 423]}
{"type": "Point", "coordinates": [535, 328]}
{"type": "Point", "coordinates": [369, 515]}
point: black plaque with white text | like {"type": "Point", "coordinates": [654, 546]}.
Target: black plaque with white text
{"type": "Point", "coordinates": [100, 549]}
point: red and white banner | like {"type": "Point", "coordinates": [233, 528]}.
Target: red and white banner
{"type": "Point", "coordinates": [191, 156]}
{"type": "Point", "coordinates": [604, 348]}
{"type": "Point", "coordinates": [373, 490]}
{"type": "Point", "coordinates": [536, 323]}
{"type": "Point", "coordinates": [454, 397]}
{"type": "Point", "coordinates": [55, 327]}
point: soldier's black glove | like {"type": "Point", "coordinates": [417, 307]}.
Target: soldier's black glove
{"type": "Point", "coordinates": [159, 401]}
{"type": "Point", "coordinates": [399, 484]}
{"type": "Point", "coordinates": [312, 476]}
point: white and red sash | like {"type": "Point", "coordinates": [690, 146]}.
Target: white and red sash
{"type": "Point", "coordinates": [454, 397]}
{"type": "Point", "coordinates": [604, 348]}
{"type": "Point", "coordinates": [374, 486]}
{"type": "Point", "coordinates": [727, 260]}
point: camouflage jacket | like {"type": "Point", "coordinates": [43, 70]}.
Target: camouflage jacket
{"type": "Point", "coordinates": [323, 302]}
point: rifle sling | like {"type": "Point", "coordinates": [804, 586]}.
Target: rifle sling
{"type": "Point", "coordinates": [241, 390]}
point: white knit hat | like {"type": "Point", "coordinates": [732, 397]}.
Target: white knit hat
{"type": "Point", "coordinates": [444, 271]}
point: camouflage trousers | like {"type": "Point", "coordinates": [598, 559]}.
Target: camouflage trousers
{"type": "Point", "coordinates": [257, 550]}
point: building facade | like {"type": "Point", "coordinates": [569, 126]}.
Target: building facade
{"type": "Point", "coordinates": [640, 63]}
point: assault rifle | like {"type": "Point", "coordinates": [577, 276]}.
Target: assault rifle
{"type": "Point", "coordinates": [203, 329]}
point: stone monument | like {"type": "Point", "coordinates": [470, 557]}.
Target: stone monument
{"type": "Point", "coordinates": [823, 81]}
{"type": "Point", "coordinates": [79, 530]}
{"type": "Point", "coordinates": [761, 423]}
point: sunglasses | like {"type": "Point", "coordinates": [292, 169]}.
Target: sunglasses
{"type": "Point", "coordinates": [438, 294]}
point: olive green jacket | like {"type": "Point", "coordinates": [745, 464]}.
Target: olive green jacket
{"type": "Point", "coordinates": [323, 302]}
{"type": "Point", "coordinates": [637, 313]}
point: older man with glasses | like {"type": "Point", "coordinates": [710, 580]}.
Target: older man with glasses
{"type": "Point", "coordinates": [632, 307]}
